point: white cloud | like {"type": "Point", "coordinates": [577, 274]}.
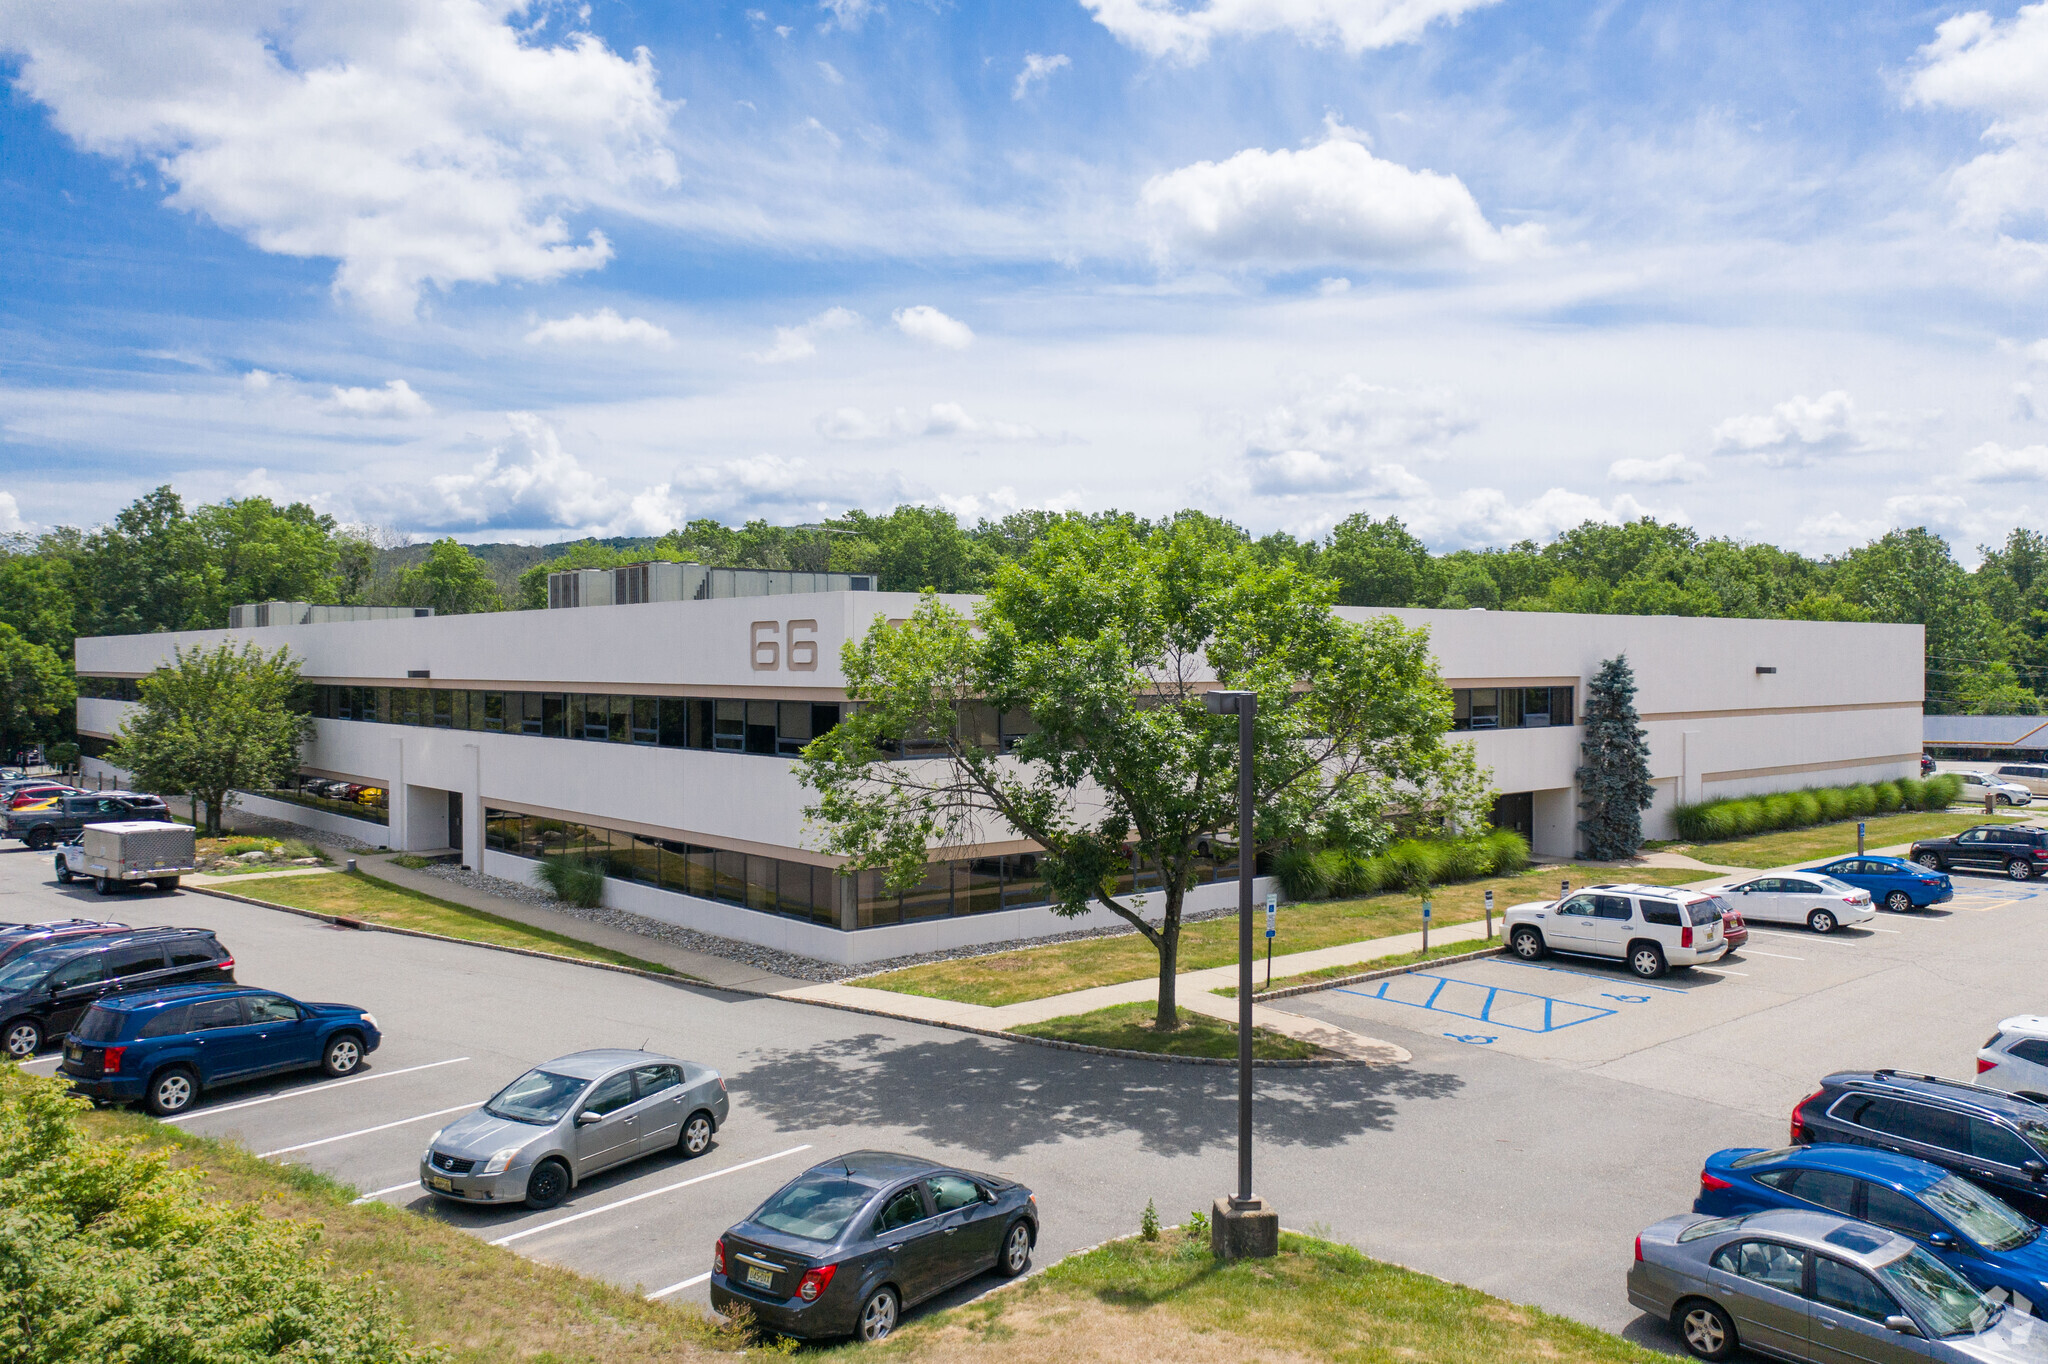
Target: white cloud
{"type": "Point", "coordinates": [258, 483]}
{"type": "Point", "coordinates": [1999, 70]}
{"type": "Point", "coordinates": [831, 73]}
{"type": "Point", "coordinates": [1801, 428]}
{"type": "Point", "coordinates": [1296, 473]}
{"type": "Point", "coordinates": [395, 399]}
{"type": "Point", "coordinates": [10, 516]}
{"type": "Point", "coordinates": [1037, 68]}
{"type": "Point", "coordinates": [1336, 438]}
{"type": "Point", "coordinates": [1668, 469]}
{"type": "Point", "coordinates": [1333, 286]}
{"type": "Point", "coordinates": [846, 14]}
{"type": "Point", "coordinates": [2037, 353]}
{"type": "Point", "coordinates": [263, 380]}
{"type": "Point", "coordinates": [1169, 28]}
{"type": "Point", "coordinates": [527, 481]}
{"type": "Point", "coordinates": [415, 144]}
{"type": "Point", "coordinates": [1993, 463]}
{"type": "Point", "coordinates": [800, 342]}
{"type": "Point", "coordinates": [927, 324]}
{"type": "Point", "coordinates": [941, 419]}
{"type": "Point", "coordinates": [1485, 516]}
{"type": "Point", "coordinates": [1331, 201]}
{"type": "Point", "coordinates": [604, 326]}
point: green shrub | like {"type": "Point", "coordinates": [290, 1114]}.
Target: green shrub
{"type": "Point", "coordinates": [112, 1254]}
{"type": "Point", "coordinates": [1779, 811]}
{"type": "Point", "coordinates": [1507, 852]}
{"type": "Point", "coordinates": [1747, 815]}
{"type": "Point", "coordinates": [1912, 793]}
{"type": "Point", "coordinates": [1713, 821]}
{"type": "Point", "coordinates": [1834, 804]}
{"type": "Point", "coordinates": [1862, 800]}
{"type": "Point", "coordinates": [1409, 863]}
{"type": "Point", "coordinates": [1943, 791]}
{"type": "Point", "coordinates": [1887, 795]}
{"type": "Point", "coordinates": [574, 880]}
{"type": "Point", "coordinates": [1299, 875]}
{"type": "Point", "coordinates": [1468, 859]}
{"type": "Point", "coordinates": [1358, 876]}
{"type": "Point", "coordinates": [1805, 809]}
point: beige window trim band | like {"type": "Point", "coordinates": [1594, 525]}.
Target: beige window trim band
{"type": "Point", "coordinates": [738, 691]}
{"type": "Point", "coordinates": [1777, 710]}
{"type": "Point", "coordinates": [1787, 769]}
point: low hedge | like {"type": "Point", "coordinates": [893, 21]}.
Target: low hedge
{"type": "Point", "coordinates": [1323, 873]}
{"type": "Point", "coordinates": [1715, 820]}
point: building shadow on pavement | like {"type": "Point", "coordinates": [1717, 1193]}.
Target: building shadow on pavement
{"type": "Point", "coordinates": [1001, 1098]}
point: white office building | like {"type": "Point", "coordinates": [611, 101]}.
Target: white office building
{"type": "Point", "coordinates": [659, 731]}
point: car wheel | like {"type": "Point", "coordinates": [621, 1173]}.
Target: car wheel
{"type": "Point", "coordinates": [42, 839]}
{"type": "Point", "coordinates": [1898, 902]}
{"type": "Point", "coordinates": [1016, 1256]}
{"type": "Point", "coordinates": [1527, 943]}
{"type": "Point", "coordinates": [547, 1185]}
{"type": "Point", "coordinates": [695, 1137]}
{"type": "Point", "coordinates": [344, 1053]}
{"type": "Point", "coordinates": [2019, 869]}
{"type": "Point", "coordinates": [166, 883]}
{"type": "Point", "coordinates": [24, 1039]}
{"type": "Point", "coordinates": [1706, 1329]}
{"type": "Point", "coordinates": [171, 1091]}
{"type": "Point", "coordinates": [1646, 959]}
{"type": "Point", "coordinates": [1821, 921]}
{"type": "Point", "coordinates": [102, 886]}
{"type": "Point", "coordinates": [1929, 861]}
{"type": "Point", "coordinates": [878, 1315]}
{"type": "Point", "coordinates": [63, 871]}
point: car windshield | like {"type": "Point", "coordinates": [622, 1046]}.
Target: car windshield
{"type": "Point", "coordinates": [539, 1096]}
{"type": "Point", "coordinates": [1935, 1294]}
{"type": "Point", "coordinates": [2036, 1134]}
{"type": "Point", "coordinates": [17, 976]}
{"type": "Point", "coordinates": [1978, 1215]}
{"type": "Point", "coordinates": [817, 1207]}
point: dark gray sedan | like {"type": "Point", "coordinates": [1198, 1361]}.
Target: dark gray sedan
{"type": "Point", "coordinates": [1813, 1286]}
{"type": "Point", "coordinates": [845, 1247]}
{"type": "Point", "coordinates": [562, 1122]}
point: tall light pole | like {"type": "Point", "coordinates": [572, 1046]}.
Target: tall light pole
{"type": "Point", "coordinates": [1242, 1226]}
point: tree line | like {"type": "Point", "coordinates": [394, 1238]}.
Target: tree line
{"type": "Point", "coordinates": [161, 566]}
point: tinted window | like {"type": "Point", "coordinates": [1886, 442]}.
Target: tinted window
{"type": "Point", "coordinates": [98, 1025]}
{"type": "Point", "coordinates": [1825, 1188]}
{"type": "Point", "coordinates": [655, 1079]}
{"type": "Point", "coordinates": [539, 1096]}
{"type": "Point", "coordinates": [1989, 1141]}
{"type": "Point", "coordinates": [191, 954]}
{"type": "Point", "coordinates": [1850, 1289]}
{"type": "Point", "coordinates": [1762, 883]}
{"type": "Point", "coordinates": [611, 1095]}
{"type": "Point", "coordinates": [1792, 887]}
{"type": "Point", "coordinates": [1704, 912]}
{"type": "Point", "coordinates": [2033, 1049]}
{"type": "Point", "coordinates": [1918, 1122]}
{"type": "Point", "coordinates": [213, 1013]}
{"type": "Point", "coordinates": [166, 1022]}
{"type": "Point", "coordinates": [951, 1192]}
{"type": "Point", "coordinates": [133, 961]}
{"type": "Point", "coordinates": [1973, 836]}
{"type": "Point", "coordinates": [1890, 1208]}
{"type": "Point", "coordinates": [86, 970]}
{"type": "Point", "coordinates": [1578, 904]}
{"type": "Point", "coordinates": [1611, 906]}
{"type": "Point", "coordinates": [900, 1211]}
{"type": "Point", "coordinates": [816, 1207]}
{"type": "Point", "coordinates": [1763, 1262]}
{"type": "Point", "coordinates": [271, 1009]}
{"type": "Point", "coordinates": [1661, 912]}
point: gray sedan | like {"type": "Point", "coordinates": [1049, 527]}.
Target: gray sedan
{"type": "Point", "coordinates": [1815, 1286]}
{"type": "Point", "coordinates": [562, 1122]}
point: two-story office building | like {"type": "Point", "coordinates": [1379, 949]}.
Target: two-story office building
{"type": "Point", "coordinates": [658, 732]}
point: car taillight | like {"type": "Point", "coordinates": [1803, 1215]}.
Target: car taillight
{"type": "Point", "coordinates": [1984, 1065]}
{"type": "Point", "coordinates": [111, 1062]}
{"type": "Point", "coordinates": [1799, 1133]}
{"type": "Point", "coordinates": [718, 1257]}
{"type": "Point", "coordinates": [1639, 1249]}
{"type": "Point", "coordinates": [814, 1282]}
{"type": "Point", "coordinates": [1685, 936]}
{"type": "Point", "coordinates": [1708, 1181]}
{"type": "Point", "coordinates": [224, 964]}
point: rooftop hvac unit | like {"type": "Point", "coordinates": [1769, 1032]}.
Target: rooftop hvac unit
{"type": "Point", "coordinates": [659, 580]}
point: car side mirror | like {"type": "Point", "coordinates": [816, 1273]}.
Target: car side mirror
{"type": "Point", "coordinates": [587, 1117]}
{"type": "Point", "coordinates": [2034, 1169]}
{"type": "Point", "coordinates": [1904, 1325]}
{"type": "Point", "coordinates": [1941, 1240]}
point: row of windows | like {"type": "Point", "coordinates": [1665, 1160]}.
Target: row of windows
{"type": "Point", "coordinates": [666, 721]}
{"type": "Point", "coordinates": [109, 688]}
{"type": "Point", "coordinates": [1510, 707]}
{"type": "Point", "coordinates": [799, 890]}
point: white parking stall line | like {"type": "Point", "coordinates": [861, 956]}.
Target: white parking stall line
{"type": "Point", "coordinates": [313, 1089]}
{"type": "Point", "coordinates": [366, 1131]}
{"type": "Point", "coordinates": [1719, 971]}
{"type": "Point", "coordinates": [658, 1294]}
{"type": "Point", "coordinates": [1752, 952]}
{"type": "Point", "coordinates": [651, 1193]}
{"type": "Point", "coordinates": [1885, 930]}
{"type": "Point", "coordinates": [373, 1197]}
{"type": "Point", "coordinates": [52, 1059]}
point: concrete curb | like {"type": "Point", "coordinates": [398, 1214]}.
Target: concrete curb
{"type": "Point", "coordinates": [341, 921]}
{"type": "Point", "coordinates": [1381, 974]}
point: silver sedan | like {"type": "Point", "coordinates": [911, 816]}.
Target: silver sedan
{"type": "Point", "coordinates": [560, 1123]}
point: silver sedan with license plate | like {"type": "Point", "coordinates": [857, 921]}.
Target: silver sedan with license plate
{"type": "Point", "coordinates": [1816, 1286]}
{"type": "Point", "coordinates": [560, 1123]}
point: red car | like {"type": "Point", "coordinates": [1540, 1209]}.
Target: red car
{"type": "Point", "coordinates": [35, 795]}
{"type": "Point", "coordinates": [1733, 929]}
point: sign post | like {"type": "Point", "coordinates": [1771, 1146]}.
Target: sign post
{"type": "Point", "coordinates": [1859, 838]}
{"type": "Point", "coordinates": [1425, 925]}
{"type": "Point", "coordinates": [1272, 912]}
{"type": "Point", "coordinates": [1489, 916]}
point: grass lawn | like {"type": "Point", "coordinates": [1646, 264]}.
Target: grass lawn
{"type": "Point", "coordinates": [1035, 972]}
{"type": "Point", "coordinates": [1129, 1028]}
{"type": "Point", "coordinates": [357, 896]}
{"type": "Point", "coordinates": [479, 1303]}
{"type": "Point", "coordinates": [1436, 950]}
{"type": "Point", "coordinates": [1831, 840]}
{"type": "Point", "coordinates": [1167, 1299]}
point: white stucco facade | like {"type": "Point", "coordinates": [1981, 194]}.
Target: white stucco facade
{"type": "Point", "coordinates": [1842, 704]}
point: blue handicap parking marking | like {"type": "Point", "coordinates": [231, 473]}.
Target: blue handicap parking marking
{"type": "Point", "coordinates": [1628, 999]}
{"type": "Point", "coordinates": [1522, 1010]}
{"type": "Point", "coordinates": [1588, 975]}
{"type": "Point", "coordinates": [1476, 1039]}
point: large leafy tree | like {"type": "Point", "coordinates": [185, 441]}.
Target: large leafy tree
{"type": "Point", "coordinates": [147, 571]}
{"type": "Point", "coordinates": [264, 552]}
{"type": "Point", "coordinates": [215, 721]}
{"type": "Point", "coordinates": [1614, 781]}
{"type": "Point", "coordinates": [1377, 563]}
{"type": "Point", "coordinates": [451, 580]}
{"type": "Point", "coordinates": [36, 691]}
{"type": "Point", "coordinates": [37, 596]}
{"type": "Point", "coordinates": [1105, 642]}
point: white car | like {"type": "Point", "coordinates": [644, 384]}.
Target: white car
{"type": "Point", "coordinates": [1822, 903]}
{"type": "Point", "coordinates": [2016, 1058]}
{"type": "Point", "coordinates": [1976, 784]}
{"type": "Point", "coordinates": [1652, 928]}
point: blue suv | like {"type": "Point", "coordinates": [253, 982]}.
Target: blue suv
{"type": "Point", "coordinates": [1893, 882]}
{"type": "Point", "coordinates": [1990, 1243]}
{"type": "Point", "coordinates": [165, 1047]}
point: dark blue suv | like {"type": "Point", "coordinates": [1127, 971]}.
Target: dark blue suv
{"type": "Point", "coordinates": [164, 1047]}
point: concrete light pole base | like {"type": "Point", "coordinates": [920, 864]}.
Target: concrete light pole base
{"type": "Point", "coordinates": [1249, 1233]}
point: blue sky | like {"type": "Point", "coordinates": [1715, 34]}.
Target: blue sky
{"type": "Point", "coordinates": [533, 271]}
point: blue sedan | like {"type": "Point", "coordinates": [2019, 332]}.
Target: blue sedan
{"type": "Point", "coordinates": [1893, 882]}
{"type": "Point", "coordinates": [1990, 1244]}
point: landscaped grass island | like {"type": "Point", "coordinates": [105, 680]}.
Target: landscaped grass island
{"type": "Point", "coordinates": [1128, 1027]}
{"type": "Point", "coordinates": [1824, 841]}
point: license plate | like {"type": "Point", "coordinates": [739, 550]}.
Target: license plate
{"type": "Point", "coordinates": [74, 1053]}
{"type": "Point", "coordinates": [759, 1278]}
{"type": "Point", "coordinates": [436, 1182]}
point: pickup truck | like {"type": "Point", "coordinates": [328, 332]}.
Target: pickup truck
{"type": "Point", "coordinates": [42, 828]}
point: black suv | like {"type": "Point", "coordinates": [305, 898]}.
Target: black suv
{"type": "Point", "coordinates": [2020, 853]}
{"type": "Point", "coordinates": [43, 829]}
{"type": "Point", "coordinates": [1992, 1138]}
{"type": "Point", "coordinates": [43, 993]}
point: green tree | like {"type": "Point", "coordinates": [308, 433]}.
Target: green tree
{"type": "Point", "coordinates": [1993, 690]}
{"type": "Point", "coordinates": [909, 550]}
{"type": "Point", "coordinates": [37, 596]}
{"type": "Point", "coordinates": [1104, 640]}
{"type": "Point", "coordinates": [1376, 563]}
{"type": "Point", "coordinates": [451, 580]}
{"type": "Point", "coordinates": [264, 552]}
{"type": "Point", "coordinates": [1614, 780]}
{"type": "Point", "coordinates": [1910, 576]}
{"type": "Point", "coordinates": [215, 721]}
{"type": "Point", "coordinates": [147, 570]}
{"type": "Point", "coordinates": [36, 691]}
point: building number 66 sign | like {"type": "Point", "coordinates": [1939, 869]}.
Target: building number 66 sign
{"type": "Point", "coordinates": [773, 645]}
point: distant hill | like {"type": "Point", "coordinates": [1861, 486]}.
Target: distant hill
{"type": "Point", "coordinates": [506, 561]}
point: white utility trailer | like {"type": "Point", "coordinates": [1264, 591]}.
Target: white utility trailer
{"type": "Point", "coordinates": [138, 850]}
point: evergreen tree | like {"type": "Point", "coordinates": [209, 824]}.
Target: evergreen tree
{"type": "Point", "coordinates": [1614, 783]}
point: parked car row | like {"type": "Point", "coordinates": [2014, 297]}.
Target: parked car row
{"type": "Point", "coordinates": [343, 790]}
{"type": "Point", "coordinates": [54, 973]}
{"type": "Point", "coordinates": [42, 826]}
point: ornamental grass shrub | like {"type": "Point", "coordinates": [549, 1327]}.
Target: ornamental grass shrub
{"type": "Point", "coordinates": [1321, 874]}
{"type": "Point", "coordinates": [1716, 820]}
{"type": "Point", "coordinates": [109, 1253]}
{"type": "Point", "coordinates": [575, 881]}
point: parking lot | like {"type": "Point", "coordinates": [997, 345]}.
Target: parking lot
{"type": "Point", "coordinates": [1551, 1110]}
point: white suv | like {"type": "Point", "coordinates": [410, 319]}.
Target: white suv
{"type": "Point", "coordinates": [1652, 928]}
{"type": "Point", "coordinates": [2016, 1058]}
